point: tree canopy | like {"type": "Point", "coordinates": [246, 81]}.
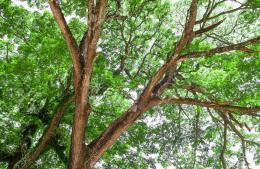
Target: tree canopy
{"type": "Point", "coordinates": [129, 84]}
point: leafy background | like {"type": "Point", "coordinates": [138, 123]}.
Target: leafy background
{"type": "Point", "coordinates": [35, 66]}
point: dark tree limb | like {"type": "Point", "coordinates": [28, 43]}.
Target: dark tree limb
{"type": "Point", "coordinates": [187, 35]}
{"type": "Point", "coordinates": [48, 134]}
{"type": "Point", "coordinates": [204, 30]}
{"type": "Point", "coordinates": [25, 143]}
{"type": "Point", "coordinates": [59, 149]}
{"type": "Point", "coordinates": [208, 53]}
{"type": "Point", "coordinates": [215, 105]}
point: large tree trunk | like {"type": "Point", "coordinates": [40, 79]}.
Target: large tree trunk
{"type": "Point", "coordinates": [80, 121]}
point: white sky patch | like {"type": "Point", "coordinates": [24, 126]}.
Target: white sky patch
{"type": "Point", "coordinates": [159, 166]}
{"type": "Point", "coordinates": [233, 3]}
{"type": "Point", "coordinates": [133, 94]}
{"type": "Point", "coordinates": [140, 86]}
{"type": "Point", "coordinates": [25, 5]}
{"type": "Point", "coordinates": [236, 147]}
{"type": "Point", "coordinates": [174, 1]}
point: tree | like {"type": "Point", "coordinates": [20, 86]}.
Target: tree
{"type": "Point", "coordinates": [193, 63]}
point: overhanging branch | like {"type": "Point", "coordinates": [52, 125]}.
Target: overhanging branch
{"type": "Point", "coordinates": [187, 36]}
{"type": "Point", "coordinates": [203, 30]}
{"type": "Point", "coordinates": [214, 105]}
{"type": "Point", "coordinates": [238, 46]}
{"type": "Point", "coordinates": [70, 40]}
{"type": "Point", "coordinates": [49, 133]}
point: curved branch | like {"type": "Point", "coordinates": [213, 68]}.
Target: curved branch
{"type": "Point", "coordinates": [49, 133]}
{"type": "Point", "coordinates": [214, 105]}
{"type": "Point", "coordinates": [187, 36]}
{"type": "Point", "coordinates": [203, 30]}
{"type": "Point", "coordinates": [70, 40]}
{"type": "Point", "coordinates": [221, 13]}
{"type": "Point", "coordinates": [239, 46]}
{"type": "Point", "coordinates": [242, 138]}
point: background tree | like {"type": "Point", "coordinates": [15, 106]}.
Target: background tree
{"type": "Point", "coordinates": [186, 73]}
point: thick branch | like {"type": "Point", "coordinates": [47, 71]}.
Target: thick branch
{"type": "Point", "coordinates": [71, 42]}
{"type": "Point", "coordinates": [214, 105]}
{"type": "Point", "coordinates": [187, 35]}
{"type": "Point", "coordinates": [203, 30]}
{"type": "Point", "coordinates": [239, 46]}
{"type": "Point", "coordinates": [112, 133]}
{"type": "Point", "coordinates": [49, 133]}
{"type": "Point", "coordinates": [96, 16]}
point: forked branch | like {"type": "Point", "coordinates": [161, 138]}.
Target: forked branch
{"type": "Point", "coordinates": [187, 36]}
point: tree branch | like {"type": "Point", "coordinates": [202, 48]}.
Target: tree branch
{"type": "Point", "coordinates": [242, 138]}
{"type": "Point", "coordinates": [214, 105]}
{"type": "Point", "coordinates": [239, 46]}
{"type": "Point", "coordinates": [111, 134]}
{"type": "Point", "coordinates": [71, 42]}
{"type": "Point", "coordinates": [49, 133]}
{"type": "Point", "coordinates": [96, 16]}
{"type": "Point", "coordinates": [97, 147]}
{"type": "Point", "coordinates": [226, 120]}
{"type": "Point", "coordinates": [203, 30]}
{"type": "Point", "coordinates": [187, 35]}
{"type": "Point", "coordinates": [220, 14]}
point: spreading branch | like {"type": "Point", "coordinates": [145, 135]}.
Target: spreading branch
{"type": "Point", "coordinates": [207, 104]}
{"type": "Point", "coordinates": [208, 17]}
{"type": "Point", "coordinates": [238, 46]}
{"type": "Point", "coordinates": [187, 36]}
{"type": "Point", "coordinates": [242, 138]}
{"type": "Point", "coordinates": [71, 42]}
{"type": "Point", "coordinates": [48, 134]}
{"type": "Point", "coordinates": [227, 121]}
{"type": "Point", "coordinates": [203, 30]}
{"type": "Point", "coordinates": [111, 134]}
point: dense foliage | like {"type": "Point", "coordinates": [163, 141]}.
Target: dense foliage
{"type": "Point", "coordinates": [137, 38]}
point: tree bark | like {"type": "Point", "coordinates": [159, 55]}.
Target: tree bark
{"type": "Point", "coordinates": [113, 132]}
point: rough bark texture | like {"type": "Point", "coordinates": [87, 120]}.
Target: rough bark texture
{"type": "Point", "coordinates": [96, 16]}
